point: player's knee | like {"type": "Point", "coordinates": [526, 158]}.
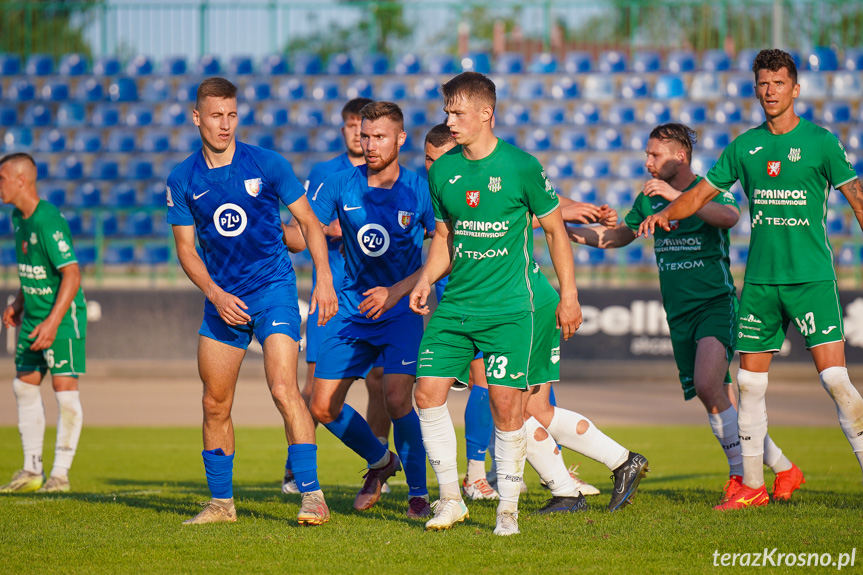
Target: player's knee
{"type": "Point", "coordinates": [323, 411]}
{"type": "Point", "coordinates": [216, 407]}
{"type": "Point", "coordinates": [751, 384]}
{"type": "Point", "coordinates": [582, 427]}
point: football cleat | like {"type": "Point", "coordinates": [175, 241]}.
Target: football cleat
{"type": "Point", "coordinates": [418, 507]}
{"type": "Point", "coordinates": [730, 489]}
{"type": "Point", "coordinates": [215, 511]}
{"type": "Point", "coordinates": [289, 484]}
{"type": "Point", "coordinates": [479, 489]}
{"type": "Point", "coordinates": [24, 482]}
{"type": "Point", "coordinates": [626, 478]}
{"type": "Point", "coordinates": [313, 510]}
{"type": "Point", "coordinates": [56, 485]}
{"type": "Point", "coordinates": [746, 497]}
{"type": "Point", "coordinates": [370, 493]}
{"type": "Point", "coordinates": [507, 523]}
{"type": "Point", "coordinates": [559, 504]}
{"type": "Point", "coordinates": [447, 512]}
{"type": "Point", "coordinates": [583, 486]}
{"type": "Point", "coordinates": [786, 483]}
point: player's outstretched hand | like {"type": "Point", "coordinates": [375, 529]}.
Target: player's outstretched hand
{"type": "Point", "coordinates": [230, 307]}
{"type": "Point", "coordinates": [325, 300]}
{"type": "Point", "coordinates": [43, 335]}
{"type": "Point", "coordinates": [12, 317]}
{"type": "Point", "coordinates": [607, 216]}
{"type": "Point", "coordinates": [378, 301]}
{"type": "Point", "coordinates": [661, 188]}
{"type": "Point", "coordinates": [648, 226]}
{"type": "Point", "coordinates": [580, 213]}
{"type": "Point", "coordinates": [333, 231]}
{"type": "Point", "coordinates": [419, 297]}
{"type": "Point", "coordinates": [568, 316]}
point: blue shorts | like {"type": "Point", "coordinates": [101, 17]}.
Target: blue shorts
{"type": "Point", "coordinates": [265, 322]}
{"type": "Point", "coordinates": [351, 348]}
{"type": "Point", "coordinates": [315, 336]}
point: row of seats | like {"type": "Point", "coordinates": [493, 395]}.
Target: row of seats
{"type": "Point", "coordinates": [575, 62]}
{"type": "Point", "coordinates": [117, 252]}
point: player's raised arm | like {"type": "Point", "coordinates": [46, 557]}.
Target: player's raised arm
{"type": "Point", "coordinates": [324, 297]}
{"type": "Point", "coordinates": [684, 206]}
{"type": "Point", "coordinates": [602, 237]}
{"type": "Point", "coordinates": [437, 265]}
{"type": "Point", "coordinates": [568, 310]}
{"type": "Point", "coordinates": [230, 307]}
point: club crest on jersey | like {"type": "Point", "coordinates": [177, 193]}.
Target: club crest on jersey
{"type": "Point", "coordinates": [773, 169]}
{"type": "Point", "coordinates": [472, 198]}
{"type": "Point", "coordinates": [674, 224]}
{"type": "Point", "coordinates": [794, 154]}
{"type": "Point", "coordinates": [24, 247]}
{"type": "Point", "coordinates": [253, 187]}
{"type": "Point", "coordinates": [405, 219]}
{"type": "Point", "coordinates": [494, 184]}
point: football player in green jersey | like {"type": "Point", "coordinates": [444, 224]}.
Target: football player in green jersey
{"type": "Point", "coordinates": [52, 314]}
{"type": "Point", "coordinates": [786, 166]}
{"type": "Point", "coordinates": [697, 290]}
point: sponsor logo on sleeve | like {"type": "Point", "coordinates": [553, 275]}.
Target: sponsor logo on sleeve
{"type": "Point", "coordinates": [168, 197]}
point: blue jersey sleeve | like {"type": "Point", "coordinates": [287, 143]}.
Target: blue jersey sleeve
{"type": "Point", "coordinates": [283, 180]}
{"type": "Point", "coordinates": [427, 212]}
{"type": "Point", "coordinates": [315, 181]}
{"type": "Point", "coordinates": [325, 202]}
{"type": "Point", "coordinates": [178, 202]}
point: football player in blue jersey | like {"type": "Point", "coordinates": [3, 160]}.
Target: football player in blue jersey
{"type": "Point", "coordinates": [384, 211]}
{"type": "Point", "coordinates": [376, 414]}
{"type": "Point", "coordinates": [228, 194]}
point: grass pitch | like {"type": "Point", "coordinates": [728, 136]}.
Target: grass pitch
{"type": "Point", "coordinates": [134, 486]}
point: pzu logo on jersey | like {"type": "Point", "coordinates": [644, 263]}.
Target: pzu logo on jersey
{"type": "Point", "coordinates": [373, 239]}
{"type": "Point", "coordinates": [230, 220]}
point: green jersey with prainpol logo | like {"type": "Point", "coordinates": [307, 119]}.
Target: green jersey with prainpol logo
{"type": "Point", "coordinates": [490, 203]}
{"type": "Point", "coordinates": [43, 246]}
{"type": "Point", "coordinates": [787, 178]}
{"type": "Point", "coordinates": [692, 258]}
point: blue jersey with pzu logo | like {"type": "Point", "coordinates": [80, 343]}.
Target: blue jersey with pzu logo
{"type": "Point", "coordinates": [382, 231]}
{"type": "Point", "coordinates": [235, 211]}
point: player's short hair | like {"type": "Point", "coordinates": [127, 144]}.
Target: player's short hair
{"type": "Point", "coordinates": [377, 110]}
{"type": "Point", "coordinates": [215, 88]}
{"type": "Point", "coordinates": [17, 156]}
{"type": "Point", "coordinates": [680, 133]}
{"type": "Point", "coordinates": [773, 60]}
{"type": "Point", "coordinates": [354, 107]}
{"type": "Point", "coordinates": [439, 136]}
{"type": "Point", "coordinates": [472, 86]}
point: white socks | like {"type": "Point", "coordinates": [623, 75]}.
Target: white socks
{"type": "Point", "coordinates": [544, 456]}
{"type": "Point", "coordinates": [774, 458]}
{"type": "Point", "coordinates": [70, 417]}
{"type": "Point", "coordinates": [31, 423]}
{"type": "Point", "coordinates": [574, 431]}
{"type": "Point", "coordinates": [440, 443]}
{"type": "Point", "coordinates": [510, 450]}
{"type": "Point", "coordinates": [752, 424]}
{"type": "Point", "coordinates": [724, 426]}
{"type": "Point", "coordinates": [475, 470]}
{"type": "Point", "coordinates": [849, 406]}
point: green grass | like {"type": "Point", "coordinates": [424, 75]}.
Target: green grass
{"type": "Point", "coordinates": [134, 486]}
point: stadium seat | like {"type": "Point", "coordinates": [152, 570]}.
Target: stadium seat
{"type": "Point", "coordinates": [294, 141]}
{"type": "Point", "coordinates": [256, 90]}
{"type": "Point", "coordinates": [37, 115]}
{"type": "Point", "coordinates": [122, 195]}
{"type": "Point", "coordinates": [543, 63]}
{"type": "Point", "coordinates": [596, 167]}
{"type": "Point", "coordinates": [89, 90]}
{"type": "Point", "coordinates": [104, 169]}
{"type": "Point", "coordinates": [86, 254]}
{"type": "Point", "coordinates": [515, 115]}
{"type": "Point", "coordinates": [245, 114]}
{"type": "Point", "coordinates": [307, 64]}
{"type": "Point", "coordinates": [138, 116]}
{"type": "Point", "coordinates": [138, 225]}
{"type": "Point", "coordinates": [375, 64]}
{"type": "Point", "coordinates": [573, 139]}
{"type": "Point", "coordinates": [608, 140]}
{"type": "Point", "coordinates": [54, 193]}
{"type": "Point", "coordinates": [669, 86]}
{"type": "Point", "coordinates": [634, 87]}
{"type": "Point", "coordinates": [87, 141]}
{"type": "Point", "coordinates": [408, 64]}
{"type": "Point", "coordinates": [274, 116]}
{"type": "Point", "coordinates": [714, 139]}
{"type": "Point", "coordinates": [187, 92]}
{"type": "Point", "coordinates": [261, 138]}
{"type": "Point", "coordinates": [740, 86]}
{"type": "Point", "coordinates": [551, 115]}
{"type": "Point", "coordinates": [174, 66]}
{"type": "Point", "coordinates": [415, 115]}
{"type": "Point", "coordinates": [274, 64]}
{"type": "Point", "coordinates": [140, 65]}
{"type": "Point", "coordinates": [51, 141]}
{"type": "Point", "coordinates": [55, 91]}
{"type": "Point", "coordinates": [107, 66]}
{"type": "Point", "coordinates": [813, 85]}
{"type": "Point", "coordinates": [426, 89]}
{"type": "Point", "coordinates": [393, 90]}
{"type": "Point", "coordinates": [340, 65]}
{"type": "Point", "coordinates": [715, 61]}
{"type": "Point", "coordinates": [583, 191]}
{"type": "Point", "coordinates": [634, 255]}
{"type": "Point", "coordinates": [560, 167]}
{"type": "Point", "coordinates": [836, 221]}
{"type": "Point", "coordinates": [105, 116]}
{"type": "Point", "coordinates": [853, 59]}
{"type": "Point", "coordinates": [630, 168]}
{"type": "Point", "coordinates": [166, 166]}
{"type": "Point", "coordinates": [291, 89]}
{"type": "Point", "coordinates": [10, 64]}
{"type": "Point", "coordinates": [680, 62]}
{"type": "Point", "coordinates": [173, 115]}
{"type": "Point", "coordinates": [155, 254]}
{"type": "Point", "coordinates": [154, 195]}
{"type": "Point", "coordinates": [440, 64]}
{"type": "Point", "coordinates": [309, 116]}
{"type": "Point", "coordinates": [156, 90]}
{"type": "Point", "coordinates": [854, 141]}
{"type": "Point", "coordinates": [693, 113]}
{"type": "Point", "coordinates": [8, 115]}
{"type": "Point", "coordinates": [804, 109]}
{"type": "Point", "coordinates": [846, 85]}
{"type": "Point", "coordinates": [42, 169]}
{"type": "Point", "coordinates": [39, 65]}
{"type": "Point", "coordinates": [208, 65]}
{"type": "Point", "coordinates": [119, 254]}
{"type": "Point", "coordinates": [139, 169]}
{"type": "Point", "coordinates": [822, 59]}
{"type": "Point", "coordinates": [156, 141]}
{"type": "Point", "coordinates": [586, 114]}
{"type": "Point", "coordinates": [359, 88]}
{"type": "Point", "coordinates": [502, 86]}
{"type": "Point", "coordinates": [123, 90]}
{"type": "Point", "coordinates": [70, 115]}
{"type": "Point", "coordinates": [188, 140]}
{"type": "Point", "coordinates": [7, 255]}
{"type": "Point", "coordinates": [577, 62]}
{"type": "Point", "coordinates": [476, 62]}
{"type": "Point", "coordinates": [619, 193]}
{"type": "Point", "coordinates": [508, 135]}
{"type": "Point", "coordinates": [87, 195]}
{"type": "Point", "coordinates": [240, 65]}
{"type": "Point", "coordinates": [328, 140]}
{"type": "Point", "coordinates": [611, 61]}
{"type": "Point", "coordinates": [599, 87]}
{"type": "Point", "coordinates": [745, 59]}
{"type": "Point", "coordinates": [21, 90]}
{"type": "Point", "coordinates": [706, 86]}
{"type": "Point", "coordinates": [637, 139]}
{"type": "Point", "coordinates": [17, 139]}
{"type": "Point", "coordinates": [325, 90]}
{"type": "Point", "coordinates": [849, 256]}
{"type": "Point", "coordinates": [73, 219]}
{"type": "Point", "coordinates": [836, 112]}
{"type": "Point", "coordinates": [728, 113]}
{"type": "Point", "coordinates": [586, 256]}
{"type": "Point", "coordinates": [645, 61]}
{"type": "Point", "coordinates": [530, 89]}
{"type": "Point", "coordinates": [537, 140]}
{"type": "Point", "coordinates": [657, 113]}
{"type": "Point", "coordinates": [509, 63]}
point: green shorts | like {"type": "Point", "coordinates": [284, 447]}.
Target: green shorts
{"type": "Point", "coordinates": [64, 357]}
{"type": "Point", "coordinates": [716, 318]}
{"type": "Point", "coordinates": [519, 350]}
{"type": "Point", "coordinates": [766, 310]}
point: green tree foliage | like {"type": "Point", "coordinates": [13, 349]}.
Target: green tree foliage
{"type": "Point", "coordinates": [41, 26]}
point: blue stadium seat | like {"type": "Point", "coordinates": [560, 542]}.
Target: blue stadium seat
{"type": "Point", "coordinates": [39, 65]}
{"type": "Point", "coordinates": [738, 255]}
{"type": "Point", "coordinates": [729, 112]}
{"type": "Point", "coordinates": [122, 195]}
{"type": "Point", "coordinates": [573, 139]}
{"type": "Point", "coordinates": [168, 165]}
{"type": "Point", "coordinates": [837, 223]}
{"type": "Point", "coordinates": [51, 141]}
{"type": "Point", "coordinates": [294, 141]}
{"type": "Point", "coordinates": [564, 88]}
{"type": "Point", "coordinates": [73, 219]}
{"type": "Point", "coordinates": [813, 85]}
{"type": "Point", "coordinates": [155, 254]}
{"type": "Point", "coordinates": [408, 64]}
{"type": "Point", "coordinates": [138, 225]}
{"type": "Point", "coordinates": [560, 167]}
{"type": "Point", "coordinates": [208, 65]}
{"type": "Point", "coordinates": [240, 65]}
{"type": "Point", "coordinates": [692, 113]}
{"type": "Point", "coordinates": [714, 139]}
{"type": "Point", "coordinates": [10, 64]}
{"type": "Point", "coordinates": [123, 90]}
{"type": "Point", "coordinates": [89, 90]}
{"type": "Point", "coordinates": [8, 115]}
{"type": "Point", "coordinates": [476, 62]}
{"type": "Point", "coordinates": [256, 90]}
{"type": "Point", "coordinates": [325, 90]}
{"type": "Point", "coordinates": [71, 115]}
{"type": "Point", "coordinates": [87, 141]}
{"type": "Point", "coordinates": [608, 140]}
{"type": "Point", "coordinates": [586, 256]}
{"type": "Point", "coordinates": [846, 85]}
{"type": "Point", "coordinates": [583, 191]}
{"type": "Point", "coordinates": [87, 195]}
{"type": "Point", "coordinates": [426, 89]}
{"type": "Point", "coordinates": [502, 87]}
{"type": "Point", "coordinates": [274, 64]}
{"type": "Point", "coordinates": [394, 89]}
{"type": "Point", "coordinates": [669, 86]}
{"type": "Point", "coordinates": [139, 169]}
{"type": "Point", "coordinates": [340, 65]}
{"type": "Point", "coordinates": [599, 87]}
{"type": "Point", "coordinates": [187, 91]}
{"type": "Point", "coordinates": [586, 114]}
{"type": "Point", "coordinates": [119, 254]}
{"type": "Point", "coordinates": [307, 64]}
{"type": "Point", "coordinates": [836, 112]}
{"type": "Point", "coordinates": [21, 90]}
{"type": "Point", "coordinates": [55, 91]}
{"type": "Point", "coordinates": [619, 193]}
{"type": "Point", "coordinates": [551, 115]}
{"type": "Point", "coordinates": [245, 114]}
{"type": "Point", "coordinates": [274, 116]}
{"type": "Point", "coordinates": [716, 61]}
{"type": "Point", "coordinates": [156, 141]}
{"type": "Point", "coordinates": [359, 88]}
{"type": "Point", "coordinates": [508, 135]}
{"type": "Point", "coordinates": [8, 256]}
{"type": "Point", "coordinates": [657, 113]}
{"type": "Point", "coordinates": [5, 224]}
{"type": "Point", "coordinates": [188, 140]}
{"type": "Point", "coordinates": [42, 169]}
{"type": "Point", "coordinates": [155, 195]}
{"type": "Point", "coordinates": [107, 66]}
{"type": "Point", "coordinates": [309, 116]}
{"type": "Point", "coordinates": [141, 115]}
{"type": "Point", "coordinates": [328, 140]}
{"type": "Point", "coordinates": [645, 61]}
{"type": "Point", "coordinates": [509, 63]}
{"type": "Point", "coordinates": [261, 138]}
{"type": "Point", "coordinates": [37, 115]}
{"type": "Point", "coordinates": [854, 141]}
{"type": "Point", "coordinates": [680, 62]}
{"type": "Point", "coordinates": [822, 59]}
{"type": "Point", "coordinates": [596, 167]}
{"type": "Point", "coordinates": [637, 138]}
{"type": "Point", "coordinates": [139, 65]}
{"type": "Point", "coordinates": [537, 140]}
{"type": "Point", "coordinates": [17, 139]}
{"type": "Point", "coordinates": [634, 87]}
{"type": "Point", "coordinates": [415, 115]}
{"type": "Point", "coordinates": [611, 61]}
{"type": "Point", "coordinates": [173, 115]}
{"type": "Point", "coordinates": [740, 86]}
{"type": "Point", "coordinates": [530, 89]}
{"type": "Point", "coordinates": [291, 89]}
{"type": "Point", "coordinates": [745, 59]}
{"type": "Point", "coordinates": [156, 90]}
{"type": "Point", "coordinates": [105, 116]}
{"type": "Point", "coordinates": [577, 62]}
{"type": "Point", "coordinates": [86, 254]}
{"type": "Point", "coordinates": [54, 193]}
{"type": "Point", "coordinates": [174, 66]}
{"type": "Point", "coordinates": [630, 168]}
{"type": "Point", "coordinates": [804, 109]}
{"type": "Point", "coordinates": [853, 59]}
{"type": "Point", "coordinates": [634, 255]}
{"type": "Point", "coordinates": [375, 64]}
{"type": "Point", "coordinates": [848, 256]}
{"type": "Point", "coordinates": [515, 115]}
{"type": "Point", "coordinates": [543, 63]}
{"type": "Point", "coordinates": [104, 169]}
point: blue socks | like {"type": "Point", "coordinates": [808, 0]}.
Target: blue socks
{"type": "Point", "coordinates": [478, 425]}
{"type": "Point", "coordinates": [551, 399]}
{"type": "Point", "coordinates": [304, 463]}
{"type": "Point", "coordinates": [408, 441]}
{"type": "Point", "coordinates": [354, 431]}
{"type": "Point", "coordinates": [220, 473]}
